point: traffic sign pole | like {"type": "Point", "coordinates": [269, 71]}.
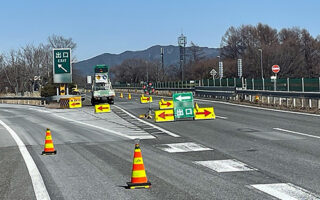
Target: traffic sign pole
{"type": "Point", "coordinates": [276, 70]}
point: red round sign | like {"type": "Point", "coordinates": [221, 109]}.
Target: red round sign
{"type": "Point", "coordinates": [275, 68]}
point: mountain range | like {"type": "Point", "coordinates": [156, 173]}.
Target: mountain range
{"type": "Point", "coordinates": [171, 56]}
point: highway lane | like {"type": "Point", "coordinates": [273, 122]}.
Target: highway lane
{"type": "Point", "coordinates": [93, 163]}
{"type": "Point", "coordinates": [249, 135]}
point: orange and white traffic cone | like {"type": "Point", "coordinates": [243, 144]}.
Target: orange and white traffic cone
{"type": "Point", "coordinates": [139, 177]}
{"type": "Point", "coordinates": [48, 144]}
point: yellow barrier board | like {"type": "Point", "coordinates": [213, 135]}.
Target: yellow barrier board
{"type": "Point", "coordinates": [165, 104]}
{"type": "Point", "coordinates": [204, 113]}
{"type": "Point", "coordinates": [163, 115]}
{"type": "Point", "coordinates": [102, 108]}
{"type": "Point", "coordinates": [75, 102]}
{"type": "Point", "coordinates": [144, 99]}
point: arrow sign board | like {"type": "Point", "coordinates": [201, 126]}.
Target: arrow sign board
{"type": "Point", "coordinates": [183, 105]}
{"type": "Point", "coordinates": [75, 102]}
{"type": "Point", "coordinates": [164, 115]}
{"type": "Point", "coordinates": [102, 108]}
{"type": "Point", "coordinates": [145, 99]}
{"type": "Point", "coordinates": [165, 104]}
{"type": "Point", "coordinates": [62, 68]}
{"type": "Point", "coordinates": [204, 113]}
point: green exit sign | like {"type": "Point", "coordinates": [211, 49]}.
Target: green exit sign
{"type": "Point", "coordinates": [183, 105]}
{"type": "Point", "coordinates": [62, 68]}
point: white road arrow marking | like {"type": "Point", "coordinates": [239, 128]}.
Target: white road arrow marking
{"type": "Point", "coordinates": [60, 66]}
{"type": "Point", "coordinates": [180, 98]}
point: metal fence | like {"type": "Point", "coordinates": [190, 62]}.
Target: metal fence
{"type": "Point", "coordinates": [288, 84]}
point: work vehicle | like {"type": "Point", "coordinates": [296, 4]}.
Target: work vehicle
{"type": "Point", "coordinates": [102, 91]}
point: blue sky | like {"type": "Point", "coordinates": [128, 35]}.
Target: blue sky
{"type": "Point", "coordinates": [116, 26]}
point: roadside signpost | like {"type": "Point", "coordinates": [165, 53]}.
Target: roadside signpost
{"type": "Point", "coordinates": [240, 68]}
{"type": "Point", "coordinates": [62, 68]}
{"type": "Point", "coordinates": [183, 105]}
{"type": "Point", "coordinates": [221, 70]}
{"type": "Point", "coordinates": [276, 70]}
{"type": "Point", "coordinates": [213, 73]}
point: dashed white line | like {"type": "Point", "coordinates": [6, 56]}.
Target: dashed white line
{"type": "Point", "coordinates": [152, 125]}
{"type": "Point", "coordinates": [286, 191]}
{"type": "Point", "coordinates": [183, 147]}
{"type": "Point", "coordinates": [230, 165]}
{"type": "Point", "coordinates": [220, 117]}
{"type": "Point", "coordinates": [39, 187]}
{"type": "Point", "coordinates": [298, 133]}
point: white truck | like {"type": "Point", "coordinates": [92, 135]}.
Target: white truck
{"type": "Point", "coordinates": [102, 91]}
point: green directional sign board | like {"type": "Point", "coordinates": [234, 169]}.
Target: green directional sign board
{"type": "Point", "coordinates": [62, 68]}
{"type": "Point", "coordinates": [183, 105]}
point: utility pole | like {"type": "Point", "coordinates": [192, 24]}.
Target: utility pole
{"type": "Point", "coordinates": [162, 64]}
{"type": "Point", "coordinates": [182, 41]}
{"type": "Point", "coordinates": [261, 63]}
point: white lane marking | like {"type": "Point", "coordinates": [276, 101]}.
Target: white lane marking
{"type": "Point", "coordinates": [104, 129]}
{"type": "Point", "coordinates": [143, 137]}
{"type": "Point", "coordinates": [39, 187]}
{"type": "Point", "coordinates": [285, 191]}
{"type": "Point", "coordinates": [298, 133]}
{"type": "Point", "coordinates": [221, 117]}
{"type": "Point", "coordinates": [183, 147]}
{"type": "Point", "coordinates": [39, 110]}
{"type": "Point", "coordinates": [230, 165]}
{"type": "Point", "coordinates": [152, 125]}
{"type": "Point", "coordinates": [259, 108]}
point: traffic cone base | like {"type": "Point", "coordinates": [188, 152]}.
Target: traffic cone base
{"type": "Point", "coordinates": [138, 185]}
{"type": "Point", "coordinates": [49, 153]}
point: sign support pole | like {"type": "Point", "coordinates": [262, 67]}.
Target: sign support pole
{"type": "Point", "coordinates": [275, 83]}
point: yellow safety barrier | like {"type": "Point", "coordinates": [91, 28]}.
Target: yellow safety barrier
{"type": "Point", "coordinates": [102, 108]}
{"type": "Point", "coordinates": [204, 113]}
{"type": "Point", "coordinates": [129, 96]}
{"type": "Point", "coordinates": [144, 99]}
{"type": "Point", "coordinates": [165, 104]}
{"type": "Point", "coordinates": [71, 102]}
{"type": "Point", "coordinates": [163, 115]}
{"type": "Point", "coordinates": [75, 102]}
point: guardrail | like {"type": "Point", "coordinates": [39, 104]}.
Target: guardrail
{"type": "Point", "coordinates": [23, 100]}
{"type": "Point", "coordinates": [273, 98]}
{"type": "Point", "coordinates": [39, 100]}
{"type": "Point", "coordinates": [282, 84]}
